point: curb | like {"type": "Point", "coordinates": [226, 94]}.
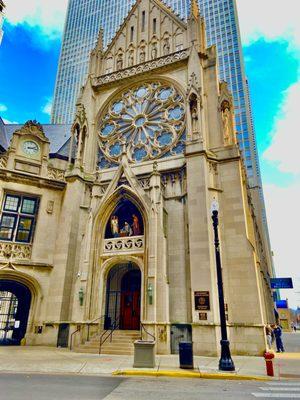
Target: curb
{"type": "Point", "coordinates": [190, 374]}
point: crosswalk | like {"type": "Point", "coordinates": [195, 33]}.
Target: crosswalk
{"type": "Point", "coordinates": [279, 390]}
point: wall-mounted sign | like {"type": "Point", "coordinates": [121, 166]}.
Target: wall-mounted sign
{"type": "Point", "coordinates": [202, 301]}
{"type": "Point", "coordinates": [281, 283]}
{"type": "Point", "coordinates": [202, 316]}
{"type": "Point", "coordinates": [282, 304]}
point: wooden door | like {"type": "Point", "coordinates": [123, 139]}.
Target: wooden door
{"type": "Point", "coordinates": [130, 310]}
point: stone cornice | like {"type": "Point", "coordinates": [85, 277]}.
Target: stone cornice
{"type": "Point", "coordinates": [24, 263]}
{"type": "Point", "coordinates": [161, 62]}
{"type": "Point", "coordinates": [32, 180]}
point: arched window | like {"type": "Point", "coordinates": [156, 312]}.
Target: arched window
{"type": "Point", "coordinates": [126, 220]}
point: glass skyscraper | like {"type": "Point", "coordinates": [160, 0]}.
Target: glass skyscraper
{"type": "Point", "coordinates": [2, 5]}
{"type": "Point", "coordinates": [83, 22]}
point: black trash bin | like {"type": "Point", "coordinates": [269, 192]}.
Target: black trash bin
{"type": "Point", "coordinates": [186, 360]}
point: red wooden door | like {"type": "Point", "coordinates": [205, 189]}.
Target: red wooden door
{"type": "Point", "coordinates": [130, 310]}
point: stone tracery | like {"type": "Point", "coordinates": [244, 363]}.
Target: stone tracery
{"type": "Point", "coordinates": [148, 118]}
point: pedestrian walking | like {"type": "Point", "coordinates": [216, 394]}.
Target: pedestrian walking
{"type": "Point", "coordinates": [269, 335]}
{"type": "Point", "coordinates": [278, 337]}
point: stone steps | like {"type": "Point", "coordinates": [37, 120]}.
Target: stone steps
{"type": "Point", "coordinates": [122, 344]}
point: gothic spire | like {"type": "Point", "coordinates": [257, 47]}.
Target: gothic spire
{"type": "Point", "coordinates": [194, 9]}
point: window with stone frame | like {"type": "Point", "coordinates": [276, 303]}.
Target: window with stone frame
{"type": "Point", "coordinates": [18, 217]}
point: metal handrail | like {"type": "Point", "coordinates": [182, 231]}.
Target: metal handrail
{"type": "Point", "coordinates": [79, 329]}
{"type": "Point", "coordinates": [148, 333]}
{"type": "Point", "coordinates": [104, 337]}
{"type": "Point", "coordinates": [71, 337]}
{"type": "Point", "coordinates": [91, 323]}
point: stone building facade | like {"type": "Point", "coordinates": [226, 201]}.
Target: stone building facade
{"type": "Point", "coordinates": [113, 228]}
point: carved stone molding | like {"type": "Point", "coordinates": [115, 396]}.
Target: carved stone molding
{"type": "Point", "coordinates": [15, 251]}
{"type": "Point", "coordinates": [33, 128]}
{"type": "Point", "coordinates": [145, 183]}
{"type": "Point", "coordinates": [173, 177]}
{"type": "Point", "coordinates": [139, 69]}
{"type": "Point", "coordinates": [132, 244]}
{"type": "Point", "coordinates": [56, 174]}
{"type": "Point", "coordinates": [3, 162]}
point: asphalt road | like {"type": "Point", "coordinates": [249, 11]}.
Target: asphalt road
{"type": "Point", "coordinates": [62, 387]}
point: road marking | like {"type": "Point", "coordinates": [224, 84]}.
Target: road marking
{"type": "Point", "coordinates": [281, 389]}
{"type": "Point", "coordinates": [283, 383]}
{"type": "Point", "coordinates": [278, 395]}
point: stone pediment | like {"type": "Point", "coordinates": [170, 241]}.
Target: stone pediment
{"type": "Point", "coordinates": [151, 30]}
{"type": "Point", "coordinates": [32, 128]}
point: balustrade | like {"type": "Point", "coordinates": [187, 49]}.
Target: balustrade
{"type": "Point", "coordinates": [134, 244]}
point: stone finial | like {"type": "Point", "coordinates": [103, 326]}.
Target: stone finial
{"type": "Point", "coordinates": [194, 9]}
{"type": "Point", "coordinates": [80, 116]}
{"type": "Point", "coordinates": [34, 124]}
{"type": "Point", "coordinates": [100, 40]}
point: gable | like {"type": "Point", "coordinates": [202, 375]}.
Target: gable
{"type": "Point", "coordinates": [151, 30]}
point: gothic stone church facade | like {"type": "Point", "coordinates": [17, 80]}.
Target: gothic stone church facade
{"type": "Point", "coordinates": [113, 229]}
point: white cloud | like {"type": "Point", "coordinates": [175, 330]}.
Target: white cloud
{"type": "Point", "coordinates": [284, 149]}
{"type": "Point", "coordinates": [270, 19]}
{"type": "Point", "coordinates": [284, 221]}
{"type": "Point", "coordinates": [3, 107]}
{"type": "Point", "coordinates": [7, 122]}
{"type": "Point", "coordinates": [47, 107]}
{"type": "Point", "coordinates": [45, 14]}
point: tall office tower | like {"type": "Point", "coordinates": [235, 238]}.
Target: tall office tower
{"type": "Point", "coordinates": [83, 22]}
{"type": "Point", "coordinates": [2, 5]}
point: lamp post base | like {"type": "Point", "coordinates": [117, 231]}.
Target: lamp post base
{"type": "Point", "coordinates": [226, 363]}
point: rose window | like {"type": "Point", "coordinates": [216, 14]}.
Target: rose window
{"type": "Point", "coordinates": [147, 120]}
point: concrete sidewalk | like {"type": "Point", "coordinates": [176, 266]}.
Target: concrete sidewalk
{"type": "Point", "coordinates": [61, 361]}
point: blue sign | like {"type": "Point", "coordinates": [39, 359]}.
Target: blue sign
{"type": "Point", "coordinates": [281, 283]}
{"type": "Point", "coordinates": [281, 304]}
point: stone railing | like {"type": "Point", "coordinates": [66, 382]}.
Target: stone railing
{"type": "Point", "coordinates": [133, 244]}
{"type": "Point", "coordinates": [15, 251]}
{"type": "Point", "coordinates": [56, 174]}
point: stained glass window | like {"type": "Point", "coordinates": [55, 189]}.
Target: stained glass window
{"type": "Point", "coordinates": [149, 119]}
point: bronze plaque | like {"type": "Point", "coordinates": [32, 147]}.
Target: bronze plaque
{"type": "Point", "coordinates": [202, 316]}
{"type": "Point", "coordinates": [202, 301]}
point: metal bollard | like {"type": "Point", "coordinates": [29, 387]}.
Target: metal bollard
{"type": "Point", "coordinates": [269, 363]}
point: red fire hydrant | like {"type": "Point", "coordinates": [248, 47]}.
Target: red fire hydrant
{"type": "Point", "coordinates": [269, 363]}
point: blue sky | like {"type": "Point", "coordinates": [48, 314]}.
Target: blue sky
{"type": "Point", "coordinates": [271, 44]}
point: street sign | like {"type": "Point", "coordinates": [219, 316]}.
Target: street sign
{"type": "Point", "coordinates": [281, 283]}
{"type": "Point", "coordinates": [281, 304]}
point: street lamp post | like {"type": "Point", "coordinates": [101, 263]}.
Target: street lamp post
{"type": "Point", "coordinates": [226, 362]}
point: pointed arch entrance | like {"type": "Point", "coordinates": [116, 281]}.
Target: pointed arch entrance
{"type": "Point", "coordinates": [123, 297]}
{"type": "Point", "coordinates": [15, 300]}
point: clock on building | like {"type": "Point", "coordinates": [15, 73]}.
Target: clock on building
{"type": "Point", "coordinates": [30, 147]}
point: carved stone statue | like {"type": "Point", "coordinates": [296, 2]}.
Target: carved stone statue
{"type": "Point", "coordinates": [135, 225]}
{"type": "Point", "coordinates": [154, 51]}
{"type": "Point", "coordinates": [227, 126]}
{"type": "Point", "coordinates": [120, 62]}
{"type": "Point", "coordinates": [114, 226]}
{"type": "Point", "coordinates": [130, 59]}
{"type": "Point", "coordinates": [142, 55]}
{"type": "Point", "coordinates": [126, 230]}
{"type": "Point", "coordinates": [166, 46]}
{"type": "Point", "coordinates": [195, 120]}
